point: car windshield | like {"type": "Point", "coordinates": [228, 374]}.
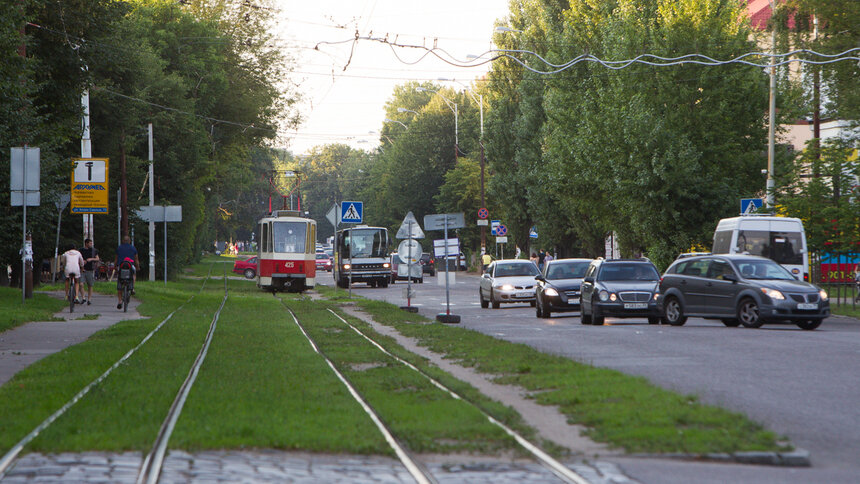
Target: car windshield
{"type": "Point", "coordinates": [289, 236]}
{"type": "Point", "coordinates": [322, 256]}
{"type": "Point", "coordinates": [513, 270]}
{"type": "Point", "coordinates": [628, 272]}
{"type": "Point", "coordinates": [763, 269]}
{"type": "Point", "coordinates": [567, 270]}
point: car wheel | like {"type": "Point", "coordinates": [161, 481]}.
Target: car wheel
{"type": "Point", "coordinates": [809, 324]}
{"type": "Point", "coordinates": [748, 314]}
{"type": "Point", "coordinates": [597, 319]}
{"type": "Point", "coordinates": [484, 303]}
{"type": "Point", "coordinates": [538, 312]}
{"type": "Point", "coordinates": [496, 304]}
{"type": "Point", "coordinates": [731, 322]}
{"type": "Point", "coordinates": [674, 312]}
{"type": "Point", "coordinates": [653, 320]}
{"type": "Point", "coordinates": [547, 313]}
{"type": "Point", "coordinates": [250, 273]}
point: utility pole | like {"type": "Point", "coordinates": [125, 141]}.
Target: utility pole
{"type": "Point", "coordinates": [87, 152]}
{"type": "Point", "coordinates": [151, 223]}
{"type": "Point", "coordinates": [771, 143]}
{"type": "Point", "coordinates": [816, 100]}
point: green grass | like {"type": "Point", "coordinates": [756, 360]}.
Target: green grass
{"type": "Point", "coordinates": [623, 411]}
{"type": "Point", "coordinates": [40, 307]}
{"type": "Point", "coordinates": [846, 310]}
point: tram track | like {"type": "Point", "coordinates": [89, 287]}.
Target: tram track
{"type": "Point", "coordinates": [9, 458]}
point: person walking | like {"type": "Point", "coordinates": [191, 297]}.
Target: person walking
{"type": "Point", "coordinates": [541, 259]}
{"type": "Point", "coordinates": [126, 252]}
{"type": "Point", "coordinates": [91, 259]}
{"type": "Point", "coordinates": [73, 263]}
{"type": "Point", "coordinates": [486, 260]}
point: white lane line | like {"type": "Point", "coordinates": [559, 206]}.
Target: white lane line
{"type": "Point", "coordinates": [556, 467]}
{"type": "Point", "coordinates": [407, 461]}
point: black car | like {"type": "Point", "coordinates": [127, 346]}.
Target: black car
{"type": "Point", "coordinates": [428, 264]}
{"type": "Point", "coordinates": [558, 286]}
{"type": "Point", "coordinates": [621, 288]}
{"type": "Point", "coordinates": [739, 289]}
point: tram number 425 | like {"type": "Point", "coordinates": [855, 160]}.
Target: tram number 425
{"type": "Point", "coordinates": [289, 265]}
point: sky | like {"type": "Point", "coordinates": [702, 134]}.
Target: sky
{"type": "Point", "coordinates": [347, 106]}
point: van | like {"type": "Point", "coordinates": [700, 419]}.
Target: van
{"type": "Point", "coordinates": [781, 239]}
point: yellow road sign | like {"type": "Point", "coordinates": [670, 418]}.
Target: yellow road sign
{"type": "Point", "coordinates": [89, 185]}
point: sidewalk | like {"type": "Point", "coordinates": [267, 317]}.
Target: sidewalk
{"type": "Point", "coordinates": [22, 346]}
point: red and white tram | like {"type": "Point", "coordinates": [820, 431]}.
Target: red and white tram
{"type": "Point", "coordinates": [286, 254]}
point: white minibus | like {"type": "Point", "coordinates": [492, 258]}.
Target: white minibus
{"type": "Point", "coordinates": [781, 239]}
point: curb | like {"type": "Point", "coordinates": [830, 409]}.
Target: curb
{"type": "Point", "coordinates": [794, 458]}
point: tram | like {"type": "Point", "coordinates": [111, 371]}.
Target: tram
{"type": "Point", "coordinates": [286, 253]}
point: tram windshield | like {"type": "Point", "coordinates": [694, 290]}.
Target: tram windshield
{"type": "Point", "coordinates": [289, 236]}
{"type": "Point", "coordinates": [364, 243]}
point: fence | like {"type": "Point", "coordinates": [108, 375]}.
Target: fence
{"type": "Point", "coordinates": [835, 273]}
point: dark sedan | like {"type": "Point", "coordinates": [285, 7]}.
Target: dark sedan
{"type": "Point", "coordinates": [558, 286]}
{"type": "Point", "coordinates": [621, 288]}
{"type": "Point", "coordinates": [739, 289]}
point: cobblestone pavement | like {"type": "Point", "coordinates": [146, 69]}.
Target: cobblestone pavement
{"type": "Point", "coordinates": [293, 467]}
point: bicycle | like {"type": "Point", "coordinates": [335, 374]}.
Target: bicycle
{"type": "Point", "coordinates": [125, 281]}
{"type": "Point", "coordinates": [71, 295]}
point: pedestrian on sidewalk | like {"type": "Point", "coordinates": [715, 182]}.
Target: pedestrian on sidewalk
{"type": "Point", "coordinates": [91, 259]}
{"type": "Point", "coordinates": [486, 260]}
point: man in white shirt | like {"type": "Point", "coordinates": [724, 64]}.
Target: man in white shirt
{"type": "Point", "coordinates": [73, 262]}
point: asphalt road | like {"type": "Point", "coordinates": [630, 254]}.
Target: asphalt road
{"type": "Point", "coordinates": [801, 384]}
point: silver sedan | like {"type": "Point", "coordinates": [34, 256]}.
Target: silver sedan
{"type": "Point", "coordinates": [508, 281]}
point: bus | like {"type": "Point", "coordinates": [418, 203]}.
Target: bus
{"type": "Point", "coordinates": [781, 239]}
{"type": "Point", "coordinates": [361, 255]}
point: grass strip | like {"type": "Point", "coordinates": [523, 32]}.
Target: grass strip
{"type": "Point", "coordinates": [263, 386]}
{"type": "Point", "coordinates": [623, 411]}
{"type": "Point", "coordinates": [40, 307]}
{"type": "Point", "coordinates": [420, 415]}
{"type": "Point", "coordinates": [38, 391]}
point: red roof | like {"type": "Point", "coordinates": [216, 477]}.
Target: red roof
{"type": "Point", "coordinates": [760, 12]}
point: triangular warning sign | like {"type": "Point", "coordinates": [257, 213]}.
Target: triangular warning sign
{"type": "Point", "coordinates": [351, 213]}
{"type": "Point", "coordinates": [410, 229]}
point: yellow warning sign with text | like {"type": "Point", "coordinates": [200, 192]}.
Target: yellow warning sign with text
{"type": "Point", "coordinates": [89, 185]}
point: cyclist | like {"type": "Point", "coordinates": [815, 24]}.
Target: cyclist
{"type": "Point", "coordinates": [126, 254]}
{"type": "Point", "coordinates": [72, 263]}
{"type": "Point", "coordinates": [91, 258]}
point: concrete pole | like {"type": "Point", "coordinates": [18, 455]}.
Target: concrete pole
{"type": "Point", "coordinates": [151, 223]}
{"type": "Point", "coordinates": [771, 142]}
{"type": "Point", "coordinates": [87, 152]}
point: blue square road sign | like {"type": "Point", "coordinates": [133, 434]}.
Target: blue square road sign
{"type": "Point", "coordinates": [351, 212]}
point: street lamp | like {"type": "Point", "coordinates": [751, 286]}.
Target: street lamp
{"type": "Point", "coordinates": [480, 101]}
{"type": "Point", "coordinates": [404, 110]}
{"type": "Point", "coordinates": [501, 29]}
{"type": "Point", "coordinates": [389, 120]}
{"type": "Point", "coordinates": [453, 107]}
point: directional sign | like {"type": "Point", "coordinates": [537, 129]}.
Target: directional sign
{"type": "Point", "coordinates": [160, 213]}
{"type": "Point", "coordinates": [351, 212]}
{"type": "Point", "coordinates": [437, 221]}
{"type": "Point", "coordinates": [750, 205]}
{"type": "Point", "coordinates": [483, 213]}
{"type": "Point", "coordinates": [501, 230]}
{"type": "Point", "coordinates": [17, 183]}
{"type": "Point", "coordinates": [410, 229]}
{"type": "Point", "coordinates": [90, 185]}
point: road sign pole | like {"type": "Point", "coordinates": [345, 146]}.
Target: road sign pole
{"type": "Point", "coordinates": [447, 278]}
{"type": "Point", "coordinates": [24, 234]}
{"type": "Point", "coordinates": [409, 270]}
{"type": "Point", "coordinates": [351, 250]}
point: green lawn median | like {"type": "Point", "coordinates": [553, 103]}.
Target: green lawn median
{"type": "Point", "coordinates": [626, 412]}
{"type": "Point", "coordinates": [41, 307]}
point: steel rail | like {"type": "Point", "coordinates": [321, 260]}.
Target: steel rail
{"type": "Point", "coordinates": [150, 469]}
{"type": "Point", "coordinates": [9, 457]}
{"type": "Point", "coordinates": [560, 470]}
{"type": "Point", "coordinates": [420, 476]}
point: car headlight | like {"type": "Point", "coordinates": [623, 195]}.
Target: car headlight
{"type": "Point", "coordinates": [386, 265]}
{"type": "Point", "coordinates": [603, 295]}
{"type": "Point", "coordinates": [506, 287]}
{"type": "Point", "coordinates": [656, 295]}
{"type": "Point", "coordinates": [346, 267]}
{"type": "Point", "coordinates": [550, 292]}
{"type": "Point", "coordinates": [772, 293]}
{"type": "Point", "coordinates": [823, 294]}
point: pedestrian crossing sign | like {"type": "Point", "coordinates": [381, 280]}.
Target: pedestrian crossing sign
{"type": "Point", "coordinates": [351, 212]}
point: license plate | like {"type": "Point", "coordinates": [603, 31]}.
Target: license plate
{"type": "Point", "coordinates": [635, 305]}
{"type": "Point", "coordinates": [807, 305]}
{"type": "Point", "coordinates": [525, 294]}
{"type": "Point", "coordinates": [573, 300]}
